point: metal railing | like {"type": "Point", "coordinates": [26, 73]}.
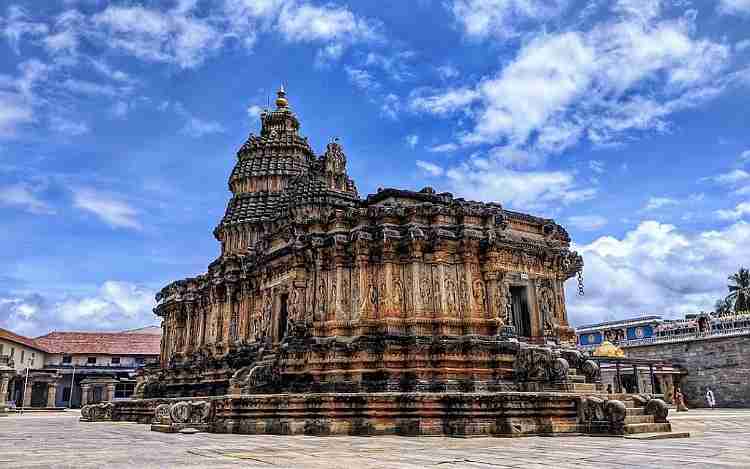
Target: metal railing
{"type": "Point", "coordinates": [679, 337]}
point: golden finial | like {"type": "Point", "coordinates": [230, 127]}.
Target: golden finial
{"type": "Point", "coordinates": [281, 100]}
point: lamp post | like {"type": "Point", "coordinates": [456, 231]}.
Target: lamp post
{"type": "Point", "coordinates": [72, 388]}
{"type": "Point", "coordinates": [25, 384]}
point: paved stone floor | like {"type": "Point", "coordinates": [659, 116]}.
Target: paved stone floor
{"type": "Point", "coordinates": [721, 440]}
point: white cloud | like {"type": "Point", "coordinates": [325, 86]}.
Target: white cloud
{"type": "Point", "coordinates": [412, 140]}
{"type": "Point", "coordinates": [390, 106]}
{"type": "Point", "coordinates": [622, 75]}
{"type": "Point", "coordinates": [502, 18]}
{"type": "Point", "coordinates": [657, 269]}
{"type": "Point", "coordinates": [745, 156]}
{"type": "Point", "coordinates": [731, 177]}
{"type": "Point", "coordinates": [114, 212]}
{"type": "Point", "coordinates": [18, 24]}
{"type": "Point", "coordinates": [587, 222]}
{"type": "Point", "coordinates": [742, 46]}
{"type": "Point", "coordinates": [597, 166]}
{"type": "Point", "coordinates": [430, 168]}
{"type": "Point", "coordinates": [446, 102]}
{"type": "Point", "coordinates": [174, 36]}
{"type": "Point", "coordinates": [18, 97]}
{"type": "Point", "coordinates": [62, 125]}
{"type": "Point", "coordinates": [443, 148]}
{"type": "Point", "coordinates": [490, 179]}
{"type": "Point", "coordinates": [15, 110]}
{"type": "Point", "coordinates": [113, 306]}
{"type": "Point", "coordinates": [447, 72]}
{"type": "Point", "coordinates": [395, 65]}
{"type": "Point", "coordinates": [104, 68]}
{"type": "Point", "coordinates": [89, 87]}
{"type": "Point", "coordinates": [362, 79]}
{"type": "Point", "coordinates": [253, 111]}
{"type": "Point", "coordinates": [734, 7]}
{"type": "Point", "coordinates": [740, 211]}
{"type": "Point", "coordinates": [64, 37]}
{"type": "Point", "coordinates": [26, 197]}
{"type": "Point", "coordinates": [121, 108]}
{"type": "Point", "coordinates": [328, 23]}
{"type": "Point", "coordinates": [656, 203]}
{"type": "Point", "coordinates": [196, 127]}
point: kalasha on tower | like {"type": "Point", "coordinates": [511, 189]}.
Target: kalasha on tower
{"type": "Point", "coordinates": [404, 312]}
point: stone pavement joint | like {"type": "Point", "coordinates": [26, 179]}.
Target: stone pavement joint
{"type": "Point", "coordinates": [60, 441]}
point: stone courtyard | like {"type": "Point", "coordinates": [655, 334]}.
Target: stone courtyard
{"type": "Point", "coordinates": [720, 439]}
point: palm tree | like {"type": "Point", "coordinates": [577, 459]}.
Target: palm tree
{"type": "Point", "coordinates": [739, 289]}
{"type": "Point", "coordinates": [723, 306]}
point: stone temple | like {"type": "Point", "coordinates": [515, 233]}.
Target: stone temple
{"type": "Point", "coordinates": [412, 313]}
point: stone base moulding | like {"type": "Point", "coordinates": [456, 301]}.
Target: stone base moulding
{"type": "Point", "coordinates": [409, 414]}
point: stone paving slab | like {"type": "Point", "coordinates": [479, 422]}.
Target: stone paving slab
{"type": "Point", "coordinates": [721, 440]}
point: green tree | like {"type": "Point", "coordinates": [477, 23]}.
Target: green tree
{"type": "Point", "coordinates": [723, 306]}
{"type": "Point", "coordinates": [739, 290]}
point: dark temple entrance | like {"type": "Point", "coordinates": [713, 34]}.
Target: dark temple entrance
{"type": "Point", "coordinates": [39, 395]}
{"type": "Point", "coordinates": [283, 317]}
{"type": "Point", "coordinates": [520, 306]}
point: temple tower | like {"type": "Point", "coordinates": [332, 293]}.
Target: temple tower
{"type": "Point", "coordinates": [266, 164]}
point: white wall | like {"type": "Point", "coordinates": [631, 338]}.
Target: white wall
{"type": "Point", "coordinates": [21, 355]}
{"type": "Point", "coordinates": [81, 360]}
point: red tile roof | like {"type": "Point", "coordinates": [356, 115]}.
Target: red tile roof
{"type": "Point", "coordinates": [104, 343]}
{"type": "Point", "coordinates": [19, 339]}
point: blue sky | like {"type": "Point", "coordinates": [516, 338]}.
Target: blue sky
{"type": "Point", "coordinates": [626, 121]}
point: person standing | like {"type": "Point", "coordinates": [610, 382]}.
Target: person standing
{"type": "Point", "coordinates": [710, 400]}
{"type": "Point", "coordinates": [679, 400]}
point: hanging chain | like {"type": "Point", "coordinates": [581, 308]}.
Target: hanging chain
{"type": "Point", "coordinates": [580, 283]}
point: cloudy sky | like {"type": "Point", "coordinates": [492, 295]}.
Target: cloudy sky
{"type": "Point", "coordinates": [627, 121]}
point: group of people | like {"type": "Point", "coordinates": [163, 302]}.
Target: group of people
{"type": "Point", "coordinates": [678, 399]}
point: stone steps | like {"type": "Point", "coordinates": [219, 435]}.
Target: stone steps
{"type": "Point", "coordinates": [583, 387]}
{"type": "Point", "coordinates": [635, 411]}
{"type": "Point", "coordinates": [633, 419]}
{"type": "Point", "coordinates": [657, 436]}
{"type": "Point", "coordinates": [634, 428]}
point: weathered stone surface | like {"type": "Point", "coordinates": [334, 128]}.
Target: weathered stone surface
{"type": "Point", "coordinates": [722, 363]}
{"type": "Point", "coordinates": [720, 439]}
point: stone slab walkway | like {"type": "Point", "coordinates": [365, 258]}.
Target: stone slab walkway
{"type": "Point", "coordinates": [721, 440]}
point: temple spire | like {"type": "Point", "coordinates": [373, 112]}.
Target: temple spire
{"type": "Point", "coordinates": [281, 101]}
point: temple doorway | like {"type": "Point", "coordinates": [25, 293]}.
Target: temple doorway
{"type": "Point", "coordinates": [39, 395]}
{"type": "Point", "coordinates": [283, 317]}
{"type": "Point", "coordinates": [520, 307]}
{"type": "Point", "coordinates": [97, 395]}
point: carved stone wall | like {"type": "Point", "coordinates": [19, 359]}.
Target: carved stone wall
{"type": "Point", "coordinates": [303, 255]}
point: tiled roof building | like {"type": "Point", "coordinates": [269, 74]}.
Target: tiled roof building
{"type": "Point", "coordinates": [104, 343]}
{"type": "Point", "coordinates": [67, 369]}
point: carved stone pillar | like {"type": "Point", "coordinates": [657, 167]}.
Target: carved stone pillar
{"type": "Point", "coordinates": [51, 394]}
{"type": "Point", "coordinates": [189, 324]}
{"type": "Point", "coordinates": [227, 313]}
{"type": "Point", "coordinates": [110, 395]}
{"type": "Point", "coordinates": [4, 381]}
{"type": "Point", "coordinates": [85, 390]}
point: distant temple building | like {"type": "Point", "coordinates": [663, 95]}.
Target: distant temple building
{"type": "Point", "coordinates": [414, 313]}
{"type": "Point", "coordinates": [70, 369]}
{"type": "Point", "coordinates": [697, 352]}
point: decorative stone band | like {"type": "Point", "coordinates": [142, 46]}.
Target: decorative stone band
{"type": "Point", "coordinates": [97, 412]}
